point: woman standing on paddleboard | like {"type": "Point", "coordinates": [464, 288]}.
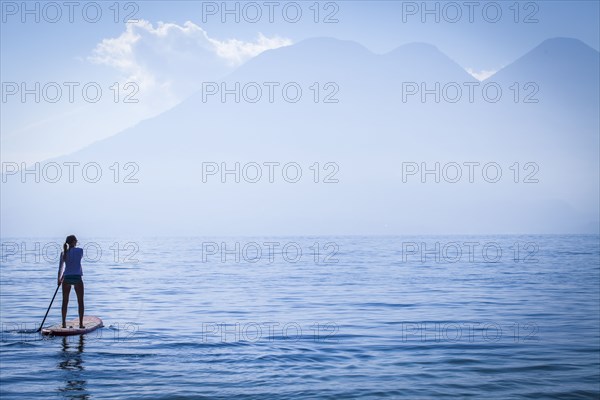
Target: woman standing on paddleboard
{"type": "Point", "coordinates": [71, 258]}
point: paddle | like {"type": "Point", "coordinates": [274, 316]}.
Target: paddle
{"type": "Point", "coordinates": [52, 301]}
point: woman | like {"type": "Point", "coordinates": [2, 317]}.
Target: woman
{"type": "Point", "coordinates": [71, 258]}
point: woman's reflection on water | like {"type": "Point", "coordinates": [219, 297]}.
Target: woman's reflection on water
{"type": "Point", "coordinates": [72, 364]}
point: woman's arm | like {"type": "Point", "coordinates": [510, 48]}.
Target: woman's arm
{"type": "Point", "coordinates": [60, 264]}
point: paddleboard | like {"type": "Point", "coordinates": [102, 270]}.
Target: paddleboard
{"type": "Point", "coordinates": [91, 323]}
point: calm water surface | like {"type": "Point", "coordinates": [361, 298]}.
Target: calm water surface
{"type": "Point", "coordinates": [309, 317]}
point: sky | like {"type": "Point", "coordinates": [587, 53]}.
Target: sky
{"type": "Point", "coordinates": [163, 57]}
{"type": "Point", "coordinates": [117, 83]}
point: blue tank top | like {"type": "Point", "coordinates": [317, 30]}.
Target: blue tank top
{"type": "Point", "coordinates": [73, 263]}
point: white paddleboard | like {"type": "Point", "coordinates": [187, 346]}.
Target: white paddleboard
{"type": "Point", "coordinates": [90, 324]}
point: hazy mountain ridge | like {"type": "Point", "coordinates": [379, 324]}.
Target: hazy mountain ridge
{"type": "Point", "coordinates": [282, 59]}
{"type": "Point", "coordinates": [369, 132]}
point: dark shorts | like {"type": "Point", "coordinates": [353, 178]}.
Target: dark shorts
{"type": "Point", "coordinates": [72, 279]}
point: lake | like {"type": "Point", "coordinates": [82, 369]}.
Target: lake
{"type": "Point", "coordinates": [507, 316]}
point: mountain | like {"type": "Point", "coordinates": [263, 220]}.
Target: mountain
{"type": "Point", "coordinates": [342, 118]}
{"type": "Point", "coordinates": [565, 71]}
{"type": "Point", "coordinates": [556, 61]}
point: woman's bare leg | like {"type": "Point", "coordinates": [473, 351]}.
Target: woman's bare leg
{"type": "Point", "coordinates": [66, 289]}
{"type": "Point", "coordinates": [79, 292]}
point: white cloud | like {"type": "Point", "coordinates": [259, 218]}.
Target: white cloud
{"type": "Point", "coordinates": [175, 58]}
{"type": "Point", "coordinates": [481, 75]}
{"type": "Point", "coordinates": [236, 51]}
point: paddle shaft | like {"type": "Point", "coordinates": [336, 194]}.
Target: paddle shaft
{"type": "Point", "coordinates": [52, 301]}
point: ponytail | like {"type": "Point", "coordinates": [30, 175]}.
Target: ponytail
{"type": "Point", "coordinates": [71, 241]}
